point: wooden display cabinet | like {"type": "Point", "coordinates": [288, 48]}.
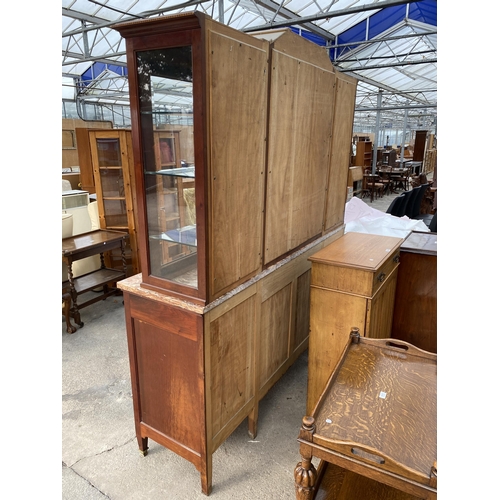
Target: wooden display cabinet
{"type": "Point", "coordinates": [353, 284]}
{"type": "Point", "coordinates": [111, 160]}
{"type": "Point", "coordinates": [220, 311]}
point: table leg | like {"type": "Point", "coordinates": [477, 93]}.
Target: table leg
{"type": "Point", "coordinates": [66, 297]}
{"type": "Point", "coordinates": [305, 475]}
{"type": "Point", "coordinates": [75, 313]}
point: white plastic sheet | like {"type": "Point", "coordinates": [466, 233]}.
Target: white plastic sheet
{"type": "Point", "coordinates": [361, 218]}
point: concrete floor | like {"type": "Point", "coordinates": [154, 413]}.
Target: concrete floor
{"type": "Point", "coordinates": [100, 455]}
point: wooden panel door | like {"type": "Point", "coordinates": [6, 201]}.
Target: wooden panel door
{"type": "Point", "coordinates": [380, 309]}
{"type": "Point", "coordinates": [345, 95]}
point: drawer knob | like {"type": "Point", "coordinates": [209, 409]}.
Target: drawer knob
{"type": "Point", "coordinates": [396, 259]}
{"type": "Point", "coordinates": [381, 277]}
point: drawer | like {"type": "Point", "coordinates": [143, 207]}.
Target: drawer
{"type": "Point", "coordinates": [356, 263]}
{"type": "Point", "coordinates": [385, 271]}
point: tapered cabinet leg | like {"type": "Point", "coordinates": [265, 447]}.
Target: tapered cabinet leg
{"type": "Point", "coordinates": [252, 422]}
{"type": "Point", "coordinates": [206, 475]}
{"type": "Point", "coordinates": [143, 445]}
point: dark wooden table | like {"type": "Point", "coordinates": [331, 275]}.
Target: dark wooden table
{"type": "Point", "coordinates": [85, 245]}
{"type": "Point", "coordinates": [397, 174]}
{"type": "Point", "coordinates": [377, 417]}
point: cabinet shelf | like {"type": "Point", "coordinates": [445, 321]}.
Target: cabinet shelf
{"type": "Point", "coordinates": [185, 236]}
{"type": "Point", "coordinates": [184, 172]}
{"type": "Point", "coordinates": [95, 279]}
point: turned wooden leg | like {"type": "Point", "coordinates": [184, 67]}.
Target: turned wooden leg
{"type": "Point", "coordinates": [66, 297]}
{"type": "Point", "coordinates": [305, 475]}
{"type": "Point", "coordinates": [75, 313]}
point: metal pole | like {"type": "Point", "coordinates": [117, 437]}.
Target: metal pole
{"type": "Point", "coordinates": [377, 126]}
{"type": "Point", "coordinates": [221, 11]}
{"type": "Point", "coordinates": [402, 153]}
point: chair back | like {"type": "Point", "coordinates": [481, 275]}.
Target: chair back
{"type": "Point", "coordinates": [415, 209]}
{"type": "Point", "coordinates": [433, 226]}
{"type": "Point", "coordinates": [402, 207]}
{"type": "Point", "coordinates": [409, 206]}
{"type": "Point", "coordinates": [395, 205]}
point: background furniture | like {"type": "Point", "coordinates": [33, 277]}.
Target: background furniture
{"type": "Point", "coordinates": [364, 153]}
{"type": "Point", "coordinates": [372, 185]}
{"type": "Point", "coordinates": [419, 145]}
{"type": "Point", "coordinates": [377, 417]}
{"type": "Point", "coordinates": [355, 180]}
{"type": "Point", "coordinates": [389, 157]}
{"type": "Point", "coordinates": [353, 283]}
{"type": "Point", "coordinates": [84, 245]}
{"type": "Point", "coordinates": [106, 161]}
{"type": "Point", "coordinates": [415, 306]}
{"type": "Point", "coordinates": [211, 330]}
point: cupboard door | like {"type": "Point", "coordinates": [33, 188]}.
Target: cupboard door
{"type": "Point", "coordinates": [380, 309]}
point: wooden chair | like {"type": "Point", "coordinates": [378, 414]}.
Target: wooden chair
{"type": "Point", "coordinates": [372, 185]}
{"type": "Point", "coordinates": [386, 180]}
{"type": "Point", "coordinates": [401, 181]}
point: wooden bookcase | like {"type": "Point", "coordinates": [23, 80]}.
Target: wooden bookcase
{"type": "Point", "coordinates": [364, 153]}
{"type": "Point", "coordinates": [213, 327]}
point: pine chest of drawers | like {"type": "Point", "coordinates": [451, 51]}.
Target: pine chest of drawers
{"type": "Point", "coordinates": [353, 284]}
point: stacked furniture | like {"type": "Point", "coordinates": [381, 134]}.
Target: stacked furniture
{"type": "Point", "coordinates": [212, 326]}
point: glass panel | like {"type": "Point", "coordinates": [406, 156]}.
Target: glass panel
{"type": "Point", "coordinates": [115, 212]}
{"type": "Point", "coordinates": [108, 152]}
{"type": "Point", "coordinates": [112, 183]}
{"type": "Point", "coordinates": [166, 107]}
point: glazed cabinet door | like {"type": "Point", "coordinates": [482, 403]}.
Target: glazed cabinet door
{"type": "Point", "coordinates": [165, 81]}
{"type": "Point", "coordinates": [111, 154]}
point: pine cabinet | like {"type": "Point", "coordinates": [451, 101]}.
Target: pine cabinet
{"type": "Point", "coordinates": [353, 284]}
{"type": "Point", "coordinates": [227, 219]}
{"type": "Point", "coordinates": [111, 160]}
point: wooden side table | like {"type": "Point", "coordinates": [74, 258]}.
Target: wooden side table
{"type": "Point", "coordinates": [85, 245]}
{"type": "Point", "coordinates": [377, 417]}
